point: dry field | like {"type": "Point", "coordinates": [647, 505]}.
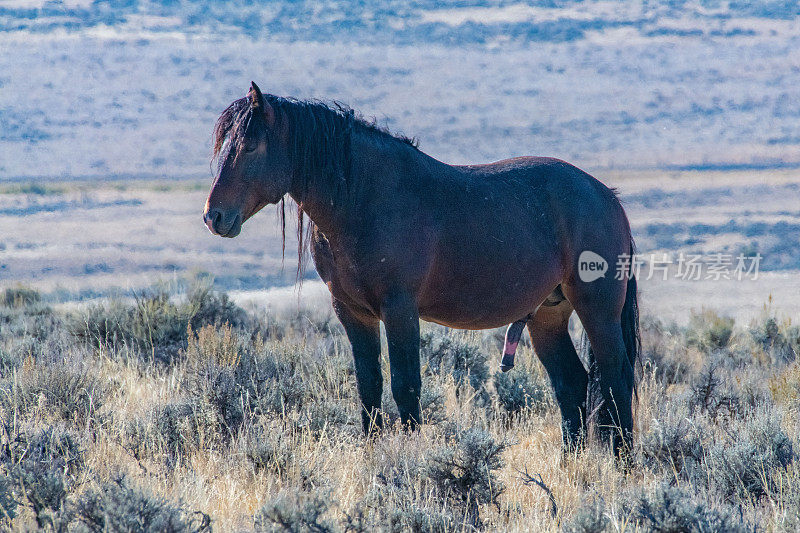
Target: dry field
{"type": "Point", "coordinates": [185, 413]}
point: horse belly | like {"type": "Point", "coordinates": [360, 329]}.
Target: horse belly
{"type": "Point", "coordinates": [488, 295]}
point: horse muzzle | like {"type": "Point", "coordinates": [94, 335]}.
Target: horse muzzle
{"type": "Point", "coordinates": [224, 224]}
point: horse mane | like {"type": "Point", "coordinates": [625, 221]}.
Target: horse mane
{"type": "Point", "coordinates": [319, 144]}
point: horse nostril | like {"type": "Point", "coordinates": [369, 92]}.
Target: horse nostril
{"type": "Point", "coordinates": [212, 218]}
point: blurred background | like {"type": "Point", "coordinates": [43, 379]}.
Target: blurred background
{"type": "Point", "coordinates": [692, 109]}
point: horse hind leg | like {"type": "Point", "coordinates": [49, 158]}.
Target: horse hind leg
{"type": "Point", "coordinates": [599, 307]}
{"type": "Point", "coordinates": [549, 330]}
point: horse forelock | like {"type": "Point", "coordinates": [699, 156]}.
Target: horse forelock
{"type": "Point", "coordinates": [231, 125]}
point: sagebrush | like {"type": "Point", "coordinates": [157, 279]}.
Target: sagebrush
{"type": "Point", "coordinates": [184, 412]}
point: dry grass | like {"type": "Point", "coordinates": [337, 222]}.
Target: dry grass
{"type": "Point", "coordinates": [254, 425]}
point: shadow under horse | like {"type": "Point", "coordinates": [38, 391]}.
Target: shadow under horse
{"type": "Point", "coordinates": [398, 236]}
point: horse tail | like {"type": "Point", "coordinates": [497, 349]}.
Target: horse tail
{"type": "Point", "coordinates": [630, 328]}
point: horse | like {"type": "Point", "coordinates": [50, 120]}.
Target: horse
{"type": "Point", "coordinates": [398, 236]}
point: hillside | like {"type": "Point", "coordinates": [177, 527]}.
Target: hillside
{"type": "Point", "coordinates": [132, 88]}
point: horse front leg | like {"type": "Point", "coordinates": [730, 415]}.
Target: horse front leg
{"type": "Point", "coordinates": [401, 320]}
{"type": "Point", "coordinates": [364, 336]}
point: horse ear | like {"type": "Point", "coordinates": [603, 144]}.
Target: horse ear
{"type": "Point", "coordinates": [257, 102]}
{"type": "Point", "coordinates": [256, 98]}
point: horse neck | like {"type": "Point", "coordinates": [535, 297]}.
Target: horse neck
{"type": "Point", "coordinates": [338, 207]}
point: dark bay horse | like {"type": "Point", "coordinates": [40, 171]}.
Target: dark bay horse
{"type": "Point", "coordinates": [397, 236]}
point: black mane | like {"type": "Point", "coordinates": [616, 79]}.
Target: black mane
{"type": "Point", "coordinates": [319, 142]}
{"type": "Point", "coordinates": [313, 123]}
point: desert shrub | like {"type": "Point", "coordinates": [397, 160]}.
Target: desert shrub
{"type": "Point", "coordinates": [709, 331]}
{"type": "Point", "coordinates": [8, 363]}
{"type": "Point", "coordinates": [68, 391]}
{"type": "Point", "coordinates": [298, 374]}
{"type": "Point", "coordinates": [30, 332]}
{"type": "Point", "coordinates": [787, 517]}
{"type": "Point", "coordinates": [51, 350]}
{"type": "Point", "coordinates": [463, 470]}
{"type": "Point", "coordinates": [768, 335]}
{"type": "Point", "coordinates": [592, 517]}
{"type": "Point", "coordinates": [171, 431]}
{"type": "Point", "coordinates": [52, 447]}
{"type": "Point", "coordinates": [119, 506]}
{"type": "Point", "coordinates": [432, 401]}
{"type": "Point", "coordinates": [44, 468]}
{"type": "Point", "coordinates": [711, 394]}
{"type": "Point", "coordinates": [446, 354]}
{"type": "Point", "coordinates": [665, 352]}
{"type": "Point", "coordinates": [155, 327]}
{"type": "Point", "coordinates": [750, 465]}
{"type": "Point", "coordinates": [330, 415]}
{"type": "Point", "coordinates": [227, 398]}
{"type": "Point", "coordinates": [751, 386]}
{"type": "Point", "coordinates": [45, 492]}
{"type": "Point", "coordinates": [673, 443]}
{"type": "Point", "coordinates": [785, 386]}
{"type": "Point", "coordinates": [229, 384]}
{"type": "Point", "coordinates": [222, 376]}
{"type": "Point", "coordinates": [244, 400]}
{"type": "Point", "coordinates": [296, 512]}
{"type": "Point", "coordinates": [519, 389]}
{"type": "Point", "coordinates": [26, 319]}
{"type": "Point", "coordinates": [8, 505]}
{"type": "Point", "coordinates": [269, 450]}
{"type": "Point", "coordinates": [16, 297]}
{"type": "Point", "coordinates": [420, 520]}
{"type": "Point", "coordinates": [214, 345]}
{"type": "Point", "coordinates": [792, 335]}
{"type": "Point", "coordinates": [36, 320]}
{"type": "Point", "coordinates": [672, 509]}
{"type": "Point", "coordinates": [303, 324]}
{"type": "Point", "coordinates": [282, 382]}
{"type": "Point", "coordinates": [242, 380]}
{"type": "Point", "coordinates": [206, 306]}
{"type": "Point", "coordinates": [397, 469]}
